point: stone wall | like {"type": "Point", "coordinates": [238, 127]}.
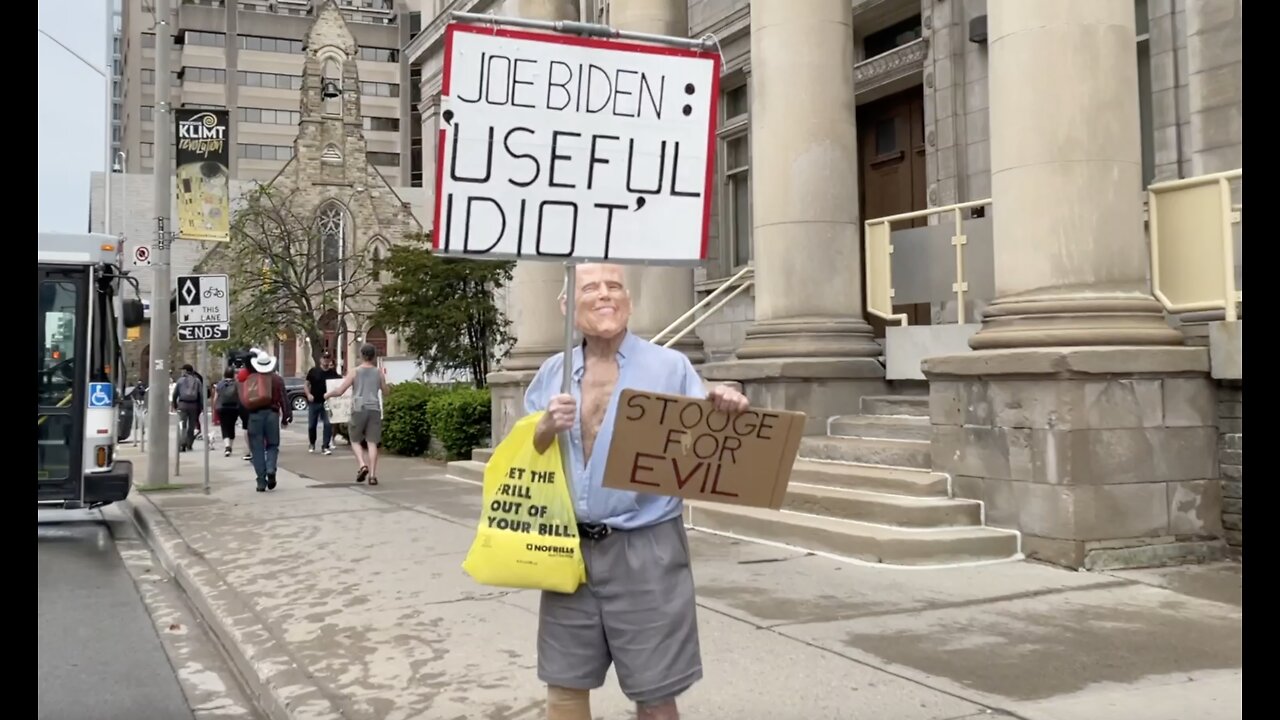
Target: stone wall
{"type": "Point", "coordinates": [1096, 472]}
{"type": "Point", "coordinates": [1231, 460]}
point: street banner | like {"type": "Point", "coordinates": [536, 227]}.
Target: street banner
{"type": "Point", "coordinates": [203, 158]}
{"type": "Point", "coordinates": [561, 148]}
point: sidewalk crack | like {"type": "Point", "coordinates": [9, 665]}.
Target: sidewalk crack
{"type": "Point", "coordinates": [475, 598]}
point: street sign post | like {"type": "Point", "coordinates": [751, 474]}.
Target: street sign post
{"type": "Point", "coordinates": [204, 314]}
{"type": "Point", "coordinates": [203, 308]}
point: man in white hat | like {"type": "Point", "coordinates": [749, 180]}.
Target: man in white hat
{"type": "Point", "coordinates": [263, 397]}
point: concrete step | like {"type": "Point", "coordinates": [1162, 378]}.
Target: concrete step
{"type": "Point", "coordinates": [481, 455]}
{"type": "Point", "coordinates": [890, 427]}
{"type": "Point", "coordinates": [871, 543]}
{"type": "Point", "coordinates": [882, 508]}
{"type": "Point", "coordinates": [897, 453]}
{"type": "Point", "coordinates": [467, 470]}
{"type": "Point", "coordinates": [875, 478]}
{"type": "Point", "coordinates": [917, 405]}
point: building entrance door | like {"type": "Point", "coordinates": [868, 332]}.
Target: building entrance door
{"type": "Point", "coordinates": [891, 175]}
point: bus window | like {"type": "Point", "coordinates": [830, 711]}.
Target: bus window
{"type": "Point", "coordinates": [103, 347]}
{"type": "Point", "coordinates": [59, 301]}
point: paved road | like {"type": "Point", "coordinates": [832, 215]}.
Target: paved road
{"type": "Point", "coordinates": [100, 656]}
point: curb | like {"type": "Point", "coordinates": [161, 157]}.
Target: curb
{"type": "Point", "coordinates": [271, 675]}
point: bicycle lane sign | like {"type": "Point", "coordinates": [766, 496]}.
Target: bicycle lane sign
{"type": "Point", "coordinates": [203, 308]}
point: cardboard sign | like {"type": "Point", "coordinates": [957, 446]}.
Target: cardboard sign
{"type": "Point", "coordinates": [339, 407]}
{"type": "Point", "coordinates": [556, 147]}
{"type": "Point", "coordinates": [684, 447]}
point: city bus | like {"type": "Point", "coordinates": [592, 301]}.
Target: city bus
{"type": "Point", "coordinates": [81, 370]}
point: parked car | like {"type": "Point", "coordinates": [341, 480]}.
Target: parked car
{"type": "Point", "coordinates": [294, 390]}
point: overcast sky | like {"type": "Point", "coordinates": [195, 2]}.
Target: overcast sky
{"type": "Point", "coordinates": [72, 110]}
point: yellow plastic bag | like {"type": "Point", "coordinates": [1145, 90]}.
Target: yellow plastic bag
{"type": "Point", "coordinates": [527, 536]}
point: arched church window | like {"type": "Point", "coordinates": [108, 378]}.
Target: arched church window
{"type": "Point", "coordinates": [331, 225]}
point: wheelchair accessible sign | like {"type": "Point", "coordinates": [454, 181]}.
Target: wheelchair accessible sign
{"type": "Point", "coordinates": [100, 395]}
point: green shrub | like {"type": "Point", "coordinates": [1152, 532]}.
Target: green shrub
{"type": "Point", "coordinates": [460, 420]}
{"type": "Point", "coordinates": [406, 421]}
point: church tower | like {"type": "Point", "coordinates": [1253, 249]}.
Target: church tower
{"type": "Point", "coordinates": [331, 134]}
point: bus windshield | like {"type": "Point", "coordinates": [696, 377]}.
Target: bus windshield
{"type": "Point", "coordinates": [60, 321]}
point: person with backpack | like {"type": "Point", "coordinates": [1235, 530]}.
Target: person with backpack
{"type": "Point", "coordinates": [263, 397]}
{"type": "Point", "coordinates": [226, 408]}
{"type": "Point", "coordinates": [188, 402]}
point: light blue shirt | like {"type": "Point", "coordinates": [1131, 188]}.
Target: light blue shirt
{"type": "Point", "coordinates": [642, 365]}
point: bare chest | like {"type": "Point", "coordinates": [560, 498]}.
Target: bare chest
{"type": "Point", "coordinates": [598, 383]}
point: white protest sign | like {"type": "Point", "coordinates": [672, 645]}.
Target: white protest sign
{"type": "Point", "coordinates": [557, 147]}
{"type": "Point", "coordinates": [339, 407]}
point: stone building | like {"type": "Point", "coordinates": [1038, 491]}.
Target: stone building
{"type": "Point", "coordinates": [332, 180]}
{"type": "Point", "coordinates": [1048, 397]}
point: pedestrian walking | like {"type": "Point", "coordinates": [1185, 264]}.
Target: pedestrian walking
{"type": "Point", "coordinates": [263, 396]}
{"type": "Point", "coordinates": [365, 426]}
{"type": "Point", "coordinates": [316, 386]}
{"type": "Point", "coordinates": [187, 402]}
{"type": "Point", "coordinates": [226, 408]}
{"type": "Point", "coordinates": [637, 609]}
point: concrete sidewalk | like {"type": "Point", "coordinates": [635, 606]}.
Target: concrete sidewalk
{"type": "Point", "coordinates": [339, 600]}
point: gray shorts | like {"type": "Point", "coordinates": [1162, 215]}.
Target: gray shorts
{"type": "Point", "coordinates": [365, 425]}
{"type": "Point", "coordinates": [637, 611]}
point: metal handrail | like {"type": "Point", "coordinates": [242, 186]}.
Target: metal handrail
{"type": "Point", "coordinates": [691, 312]}
{"type": "Point", "coordinates": [879, 258]}
{"type": "Point", "coordinates": [1196, 243]}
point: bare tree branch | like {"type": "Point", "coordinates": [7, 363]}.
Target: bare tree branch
{"type": "Point", "coordinates": [276, 266]}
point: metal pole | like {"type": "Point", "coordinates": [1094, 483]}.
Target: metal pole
{"type": "Point", "coordinates": [566, 379]}
{"type": "Point", "coordinates": [587, 30]}
{"type": "Point", "coordinates": [208, 429]}
{"type": "Point", "coordinates": [159, 455]}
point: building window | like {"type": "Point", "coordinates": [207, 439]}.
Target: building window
{"type": "Point", "coordinates": [148, 76]}
{"type": "Point", "coordinates": [250, 151]}
{"type": "Point", "coordinates": [146, 113]}
{"type": "Point", "coordinates": [268, 80]}
{"type": "Point", "coordinates": [148, 40]}
{"type": "Point", "coordinates": [382, 124]}
{"type": "Point", "coordinates": [735, 210]}
{"type": "Point", "coordinates": [379, 89]}
{"type": "Point", "coordinates": [329, 222]}
{"type": "Point", "coordinates": [267, 116]}
{"type": "Point", "coordinates": [205, 39]}
{"type": "Point", "coordinates": [1146, 122]}
{"type": "Point", "coordinates": [894, 36]}
{"type": "Point", "coordinates": [215, 76]}
{"type": "Point", "coordinates": [145, 149]}
{"type": "Point", "coordinates": [270, 44]}
{"type": "Point", "coordinates": [384, 159]}
{"type": "Point", "coordinates": [377, 54]}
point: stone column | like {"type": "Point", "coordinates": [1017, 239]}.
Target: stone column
{"type": "Point", "coordinates": [1079, 420]}
{"type": "Point", "coordinates": [804, 194]}
{"type": "Point", "coordinates": [810, 348]}
{"type": "Point", "coordinates": [1070, 261]}
{"type": "Point", "coordinates": [532, 305]}
{"type": "Point", "coordinates": [659, 294]}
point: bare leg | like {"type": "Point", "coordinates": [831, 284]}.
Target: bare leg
{"type": "Point", "coordinates": [373, 460]}
{"type": "Point", "coordinates": [665, 710]}
{"type": "Point", "coordinates": [359, 451]}
{"type": "Point", "coordinates": [566, 704]}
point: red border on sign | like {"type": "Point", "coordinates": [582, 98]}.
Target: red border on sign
{"type": "Point", "coordinates": [598, 43]}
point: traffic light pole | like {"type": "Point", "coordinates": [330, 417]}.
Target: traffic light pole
{"type": "Point", "coordinates": [158, 414]}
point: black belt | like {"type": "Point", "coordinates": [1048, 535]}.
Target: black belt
{"type": "Point", "coordinates": [594, 531]}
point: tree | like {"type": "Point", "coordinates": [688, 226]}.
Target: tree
{"type": "Point", "coordinates": [287, 264]}
{"type": "Point", "coordinates": [444, 309]}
